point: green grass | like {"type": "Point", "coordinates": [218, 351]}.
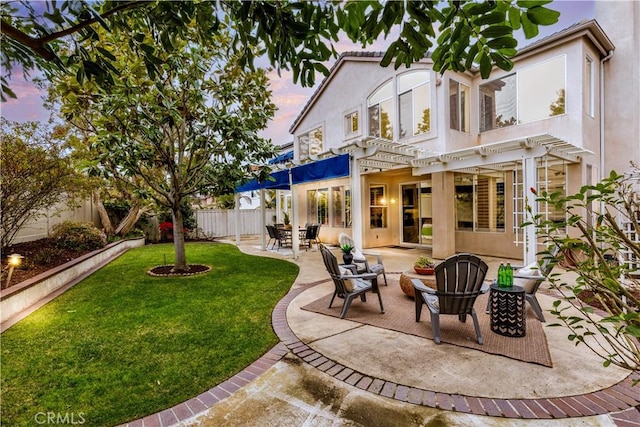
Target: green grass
{"type": "Point", "coordinates": [122, 344]}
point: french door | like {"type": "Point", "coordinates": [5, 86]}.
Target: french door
{"type": "Point", "coordinates": [416, 210]}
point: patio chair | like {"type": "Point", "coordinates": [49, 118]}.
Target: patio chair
{"type": "Point", "coordinates": [272, 235]}
{"type": "Point", "coordinates": [348, 285]}
{"type": "Point", "coordinates": [459, 280]}
{"type": "Point", "coordinates": [360, 258]}
{"type": "Point", "coordinates": [280, 236]}
{"type": "Point", "coordinates": [310, 236]}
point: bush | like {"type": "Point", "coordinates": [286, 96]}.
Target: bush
{"type": "Point", "coordinates": [78, 235]}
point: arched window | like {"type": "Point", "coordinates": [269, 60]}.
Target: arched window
{"type": "Point", "coordinates": [380, 111]}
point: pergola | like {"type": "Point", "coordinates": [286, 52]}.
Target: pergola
{"type": "Point", "coordinates": [372, 154]}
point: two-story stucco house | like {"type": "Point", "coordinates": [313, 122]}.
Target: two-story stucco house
{"type": "Point", "coordinates": [449, 161]}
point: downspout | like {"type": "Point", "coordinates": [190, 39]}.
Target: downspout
{"type": "Point", "coordinates": [602, 144]}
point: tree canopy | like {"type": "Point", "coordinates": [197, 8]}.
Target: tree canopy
{"type": "Point", "coordinates": [191, 127]}
{"type": "Point", "coordinates": [37, 173]}
{"type": "Point", "coordinates": [64, 36]}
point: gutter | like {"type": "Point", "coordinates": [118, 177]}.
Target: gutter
{"type": "Point", "coordinates": [602, 141]}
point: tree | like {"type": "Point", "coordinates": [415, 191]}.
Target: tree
{"type": "Point", "coordinates": [37, 173]}
{"type": "Point", "coordinates": [63, 36]}
{"type": "Point", "coordinates": [557, 107]}
{"type": "Point", "coordinates": [190, 129]}
{"type": "Point", "coordinates": [601, 219]}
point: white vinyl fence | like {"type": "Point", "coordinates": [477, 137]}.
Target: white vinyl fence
{"type": "Point", "coordinates": [222, 222]}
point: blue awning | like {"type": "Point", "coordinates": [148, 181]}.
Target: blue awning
{"type": "Point", "coordinates": [282, 158]}
{"type": "Point", "coordinates": [335, 167]}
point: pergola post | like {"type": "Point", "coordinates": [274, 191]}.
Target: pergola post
{"type": "Point", "coordinates": [529, 173]}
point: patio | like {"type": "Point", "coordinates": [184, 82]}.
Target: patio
{"type": "Point", "coordinates": [328, 371]}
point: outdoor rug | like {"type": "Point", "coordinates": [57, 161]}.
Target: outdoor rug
{"type": "Point", "coordinates": [400, 316]}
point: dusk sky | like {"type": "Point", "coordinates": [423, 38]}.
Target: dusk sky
{"type": "Point", "coordinates": [289, 98]}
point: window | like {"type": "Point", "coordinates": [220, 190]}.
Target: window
{"type": "Point", "coordinates": [351, 123]}
{"type": "Point", "coordinates": [318, 206]}
{"type": "Point", "coordinates": [414, 102]}
{"type": "Point", "coordinates": [380, 112]}
{"type": "Point", "coordinates": [498, 103]}
{"type": "Point", "coordinates": [337, 206]}
{"type": "Point", "coordinates": [378, 206]}
{"type": "Point", "coordinates": [521, 98]}
{"type": "Point", "coordinates": [459, 105]}
{"type": "Point", "coordinates": [310, 143]}
{"type": "Point", "coordinates": [480, 202]}
{"type": "Point", "coordinates": [588, 81]}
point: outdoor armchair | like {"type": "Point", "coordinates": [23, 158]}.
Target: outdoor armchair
{"type": "Point", "coordinates": [360, 258]}
{"type": "Point", "coordinates": [348, 285]}
{"type": "Point", "coordinates": [459, 280]}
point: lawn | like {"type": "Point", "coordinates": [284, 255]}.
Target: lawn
{"type": "Point", "coordinates": [122, 344]}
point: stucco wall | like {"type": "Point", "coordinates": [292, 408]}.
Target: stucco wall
{"type": "Point", "coordinates": [622, 83]}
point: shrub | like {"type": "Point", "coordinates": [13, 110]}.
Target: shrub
{"type": "Point", "coordinates": [78, 235]}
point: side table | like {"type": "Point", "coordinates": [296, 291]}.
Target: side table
{"type": "Point", "coordinates": [507, 311]}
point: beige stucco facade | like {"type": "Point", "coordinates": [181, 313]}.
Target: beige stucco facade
{"type": "Point", "coordinates": [578, 144]}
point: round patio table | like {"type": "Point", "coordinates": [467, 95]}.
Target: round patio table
{"type": "Point", "coordinates": [407, 286]}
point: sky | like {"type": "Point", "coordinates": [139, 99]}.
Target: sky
{"type": "Point", "coordinates": [290, 98]}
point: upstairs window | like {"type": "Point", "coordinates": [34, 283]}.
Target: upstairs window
{"type": "Point", "coordinates": [351, 125]}
{"type": "Point", "coordinates": [590, 87]}
{"type": "Point", "coordinates": [534, 93]}
{"type": "Point", "coordinates": [380, 110]}
{"type": "Point", "coordinates": [310, 143]}
{"type": "Point", "coordinates": [414, 104]}
{"type": "Point", "coordinates": [459, 106]}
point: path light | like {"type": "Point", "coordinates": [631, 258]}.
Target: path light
{"type": "Point", "coordinates": [14, 261]}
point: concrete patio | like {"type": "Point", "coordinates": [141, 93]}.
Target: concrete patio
{"type": "Point", "coordinates": [332, 372]}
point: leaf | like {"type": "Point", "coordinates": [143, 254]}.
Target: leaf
{"type": "Point", "coordinates": [494, 17]}
{"type": "Point", "coordinates": [514, 18]}
{"type": "Point", "coordinates": [543, 16]}
{"type": "Point", "coordinates": [485, 66]}
{"type": "Point", "coordinates": [481, 8]}
{"type": "Point", "coordinates": [106, 53]}
{"type": "Point", "coordinates": [502, 42]}
{"type": "Point", "coordinates": [530, 29]}
{"type": "Point", "coordinates": [496, 31]}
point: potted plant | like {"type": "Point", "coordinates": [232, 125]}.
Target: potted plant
{"type": "Point", "coordinates": [347, 256]}
{"type": "Point", "coordinates": [424, 265]}
{"type": "Point", "coordinates": [287, 221]}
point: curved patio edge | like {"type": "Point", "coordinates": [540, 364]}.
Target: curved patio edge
{"type": "Point", "coordinates": [619, 401]}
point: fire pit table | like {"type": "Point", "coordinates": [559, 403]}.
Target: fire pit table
{"type": "Point", "coordinates": [407, 286]}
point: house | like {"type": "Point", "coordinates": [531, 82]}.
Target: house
{"type": "Point", "coordinates": [450, 161]}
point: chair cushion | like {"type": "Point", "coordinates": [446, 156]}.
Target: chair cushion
{"type": "Point", "coordinates": [358, 255]}
{"type": "Point", "coordinates": [349, 284]}
{"type": "Point", "coordinates": [528, 284]}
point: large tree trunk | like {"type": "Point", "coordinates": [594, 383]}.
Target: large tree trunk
{"type": "Point", "coordinates": [130, 220]}
{"type": "Point", "coordinates": [178, 241]}
{"type": "Point", "coordinates": [102, 212]}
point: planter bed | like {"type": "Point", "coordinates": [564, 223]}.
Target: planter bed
{"type": "Point", "coordinates": [15, 299]}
